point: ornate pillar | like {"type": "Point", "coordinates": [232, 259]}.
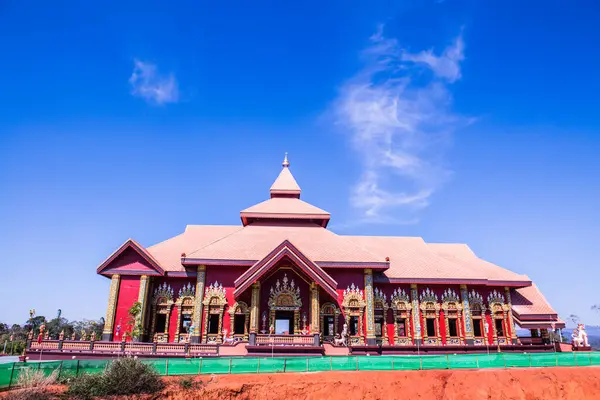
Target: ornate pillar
{"type": "Point", "coordinates": [109, 321]}
{"type": "Point", "coordinates": [143, 300]}
{"type": "Point", "coordinates": [314, 309]}
{"type": "Point", "coordinates": [197, 314]}
{"type": "Point", "coordinates": [254, 312]}
{"type": "Point", "coordinates": [464, 295]}
{"type": "Point", "coordinates": [370, 307]}
{"type": "Point", "coordinates": [416, 313]}
{"type": "Point", "coordinates": [511, 322]}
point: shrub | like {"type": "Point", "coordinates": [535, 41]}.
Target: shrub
{"type": "Point", "coordinates": [186, 383]}
{"type": "Point", "coordinates": [123, 376]}
{"type": "Point", "coordinates": [33, 384]}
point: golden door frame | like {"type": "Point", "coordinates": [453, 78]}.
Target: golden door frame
{"type": "Point", "coordinates": [430, 309]}
{"type": "Point", "coordinates": [451, 303]}
{"type": "Point", "coordinates": [239, 308]}
{"type": "Point", "coordinates": [402, 308]}
{"type": "Point", "coordinates": [214, 302]}
{"type": "Point", "coordinates": [162, 303]}
{"type": "Point", "coordinates": [476, 301]}
{"type": "Point", "coordinates": [354, 306]}
{"type": "Point", "coordinates": [499, 311]}
{"type": "Point", "coordinates": [329, 310]}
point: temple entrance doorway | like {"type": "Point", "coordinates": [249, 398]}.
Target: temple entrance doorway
{"type": "Point", "coordinates": [284, 322]}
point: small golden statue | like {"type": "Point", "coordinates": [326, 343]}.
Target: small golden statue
{"type": "Point", "coordinates": [61, 335]}
{"type": "Point", "coordinates": [93, 336]}
{"type": "Point", "coordinates": [83, 335]}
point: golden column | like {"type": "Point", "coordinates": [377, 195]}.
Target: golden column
{"type": "Point", "coordinates": [416, 313]}
{"type": "Point", "coordinates": [254, 311]}
{"type": "Point", "coordinates": [511, 322]}
{"type": "Point", "coordinates": [197, 314]}
{"type": "Point", "coordinates": [314, 309]}
{"type": "Point", "coordinates": [109, 321]}
{"type": "Point", "coordinates": [254, 307]}
{"type": "Point", "coordinates": [464, 296]}
{"type": "Point", "coordinates": [370, 306]}
{"type": "Point", "coordinates": [143, 300]}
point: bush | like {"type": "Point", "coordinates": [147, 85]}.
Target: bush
{"type": "Point", "coordinates": [33, 384]}
{"type": "Point", "coordinates": [186, 383]}
{"type": "Point", "coordinates": [123, 376]}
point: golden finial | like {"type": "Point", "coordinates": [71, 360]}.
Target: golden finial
{"type": "Point", "coordinates": [285, 163]}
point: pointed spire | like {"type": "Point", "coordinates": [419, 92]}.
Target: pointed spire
{"type": "Point", "coordinates": [285, 163]}
{"type": "Point", "coordinates": [285, 185]}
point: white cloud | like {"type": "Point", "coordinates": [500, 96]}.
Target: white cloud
{"type": "Point", "coordinates": [399, 119]}
{"type": "Point", "coordinates": [148, 84]}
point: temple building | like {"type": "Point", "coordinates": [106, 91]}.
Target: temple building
{"type": "Point", "coordinates": [282, 278]}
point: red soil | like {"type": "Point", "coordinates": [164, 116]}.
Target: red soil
{"type": "Point", "coordinates": [525, 384]}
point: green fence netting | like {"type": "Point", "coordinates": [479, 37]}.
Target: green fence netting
{"type": "Point", "coordinates": [10, 372]}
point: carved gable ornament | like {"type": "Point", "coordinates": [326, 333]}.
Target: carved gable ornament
{"type": "Point", "coordinates": [285, 295]}
{"type": "Point", "coordinates": [215, 295]}
{"type": "Point", "coordinates": [353, 297]}
{"type": "Point", "coordinates": [163, 294]}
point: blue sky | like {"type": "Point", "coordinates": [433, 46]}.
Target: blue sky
{"type": "Point", "coordinates": [457, 121]}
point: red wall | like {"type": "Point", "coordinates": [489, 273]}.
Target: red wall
{"type": "Point", "coordinates": [226, 276]}
{"type": "Point", "coordinates": [128, 294]}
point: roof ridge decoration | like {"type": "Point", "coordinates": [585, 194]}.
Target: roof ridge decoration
{"type": "Point", "coordinates": [450, 296]}
{"type": "Point", "coordinates": [495, 297]}
{"type": "Point", "coordinates": [165, 291]}
{"type": "Point", "coordinates": [188, 290]}
{"type": "Point", "coordinates": [399, 295]}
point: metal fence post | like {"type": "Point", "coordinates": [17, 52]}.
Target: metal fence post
{"type": "Point", "coordinates": [230, 362]}
{"type": "Point", "coordinates": [420, 363]}
{"type": "Point", "coordinates": [200, 366]}
{"type": "Point", "coordinates": [477, 360]}
{"type": "Point", "coordinates": [504, 359]}
{"type": "Point", "coordinates": [284, 364]}
{"type": "Point", "coordinates": [77, 369]}
{"type": "Point", "coordinates": [447, 362]}
{"type": "Point", "coordinates": [167, 367]}
{"type": "Point", "coordinates": [393, 368]}
{"type": "Point", "coordinates": [530, 361]}
{"type": "Point", "coordinates": [12, 371]}
{"type": "Point", "coordinates": [330, 363]}
{"type": "Point", "coordinates": [59, 370]}
{"type": "Point", "coordinates": [356, 363]}
{"type": "Point", "coordinates": [258, 366]}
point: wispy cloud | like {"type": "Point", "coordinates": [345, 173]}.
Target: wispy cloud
{"type": "Point", "coordinates": [154, 88]}
{"type": "Point", "coordinates": [396, 112]}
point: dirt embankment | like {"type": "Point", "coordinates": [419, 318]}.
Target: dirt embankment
{"type": "Point", "coordinates": [526, 384]}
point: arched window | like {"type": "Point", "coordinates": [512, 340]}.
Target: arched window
{"type": "Point", "coordinates": [499, 312]}
{"type": "Point", "coordinates": [402, 308]}
{"type": "Point", "coordinates": [162, 304]}
{"type": "Point", "coordinates": [354, 308]}
{"type": "Point", "coordinates": [380, 317]}
{"type": "Point", "coordinates": [185, 310]}
{"type": "Point", "coordinates": [477, 318]}
{"type": "Point", "coordinates": [430, 309]}
{"type": "Point", "coordinates": [329, 321]}
{"type": "Point", "coordinates": [452, 316]}
{"type": "Point", "coordinates": [214, 302]}
{"type": "Point", "coordinates": [239, 317]}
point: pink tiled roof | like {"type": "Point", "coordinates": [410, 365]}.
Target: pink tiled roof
{"type": "Point", "coordinates": [530, 301]}
{"type": "Point", "coordinates": [285, 184]}
{"type": "Point", "coordinates": [256, 240]}
{"type": "Point", "coordinates": [168, 253]}
{"type": "Point", "coordinates": [283, 206]}
{"type": "Point", "coordinates": [462, 254]}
